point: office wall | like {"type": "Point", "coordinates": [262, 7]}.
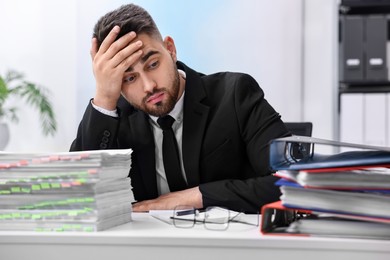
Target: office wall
{"type": "Point", "coordinates": [50, 41]}
{"type": "Point", "coordinates": [320, 61]}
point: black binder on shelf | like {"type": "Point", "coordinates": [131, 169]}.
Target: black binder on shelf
{"type": "Point", "coordinates": [351, 48]}
{"type": "Point", "coordinates": [375, 50]}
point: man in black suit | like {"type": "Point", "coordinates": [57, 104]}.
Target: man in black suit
{"type": "Point", "coordinates": [222, 122]}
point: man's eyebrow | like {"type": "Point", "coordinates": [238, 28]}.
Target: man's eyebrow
{"type": "Point", "coordinates": [144, 59]}
{"type": "Point", "coordinates": [147, 55]}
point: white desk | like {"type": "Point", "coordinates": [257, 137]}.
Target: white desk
{"type": "Point", "coordinates": [148, 238]}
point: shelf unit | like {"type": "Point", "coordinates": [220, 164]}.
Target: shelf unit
{"type": "Point", "coordinates": [364, 78]}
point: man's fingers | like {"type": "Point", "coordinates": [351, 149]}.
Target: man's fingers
{"type": "Point", "coordinates": [109, 39]}
{"type": "Point", "coordinates": [128, 56]}
{"type": "Point", "coordinates": [122, 43]}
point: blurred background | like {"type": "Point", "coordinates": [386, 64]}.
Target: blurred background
{"type": "Point", "coordinates": [288, 46]}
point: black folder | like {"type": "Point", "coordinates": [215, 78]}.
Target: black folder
{"type": "Point", "coordinates": [298, 153]}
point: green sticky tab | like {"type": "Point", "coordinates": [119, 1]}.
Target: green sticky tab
{"type": "Point", "coordinates": [15, 189]}
{"type": "Point", "coordinates": [84, 174]}
{"type": "Point", "coordinates": [26, 215]}
{"type": "Point", "coordinates": [55, 185]}
{"type": "Point", "coordinates": [72, 213]}
{"type": "Point", "coordinates": [5, 192]}
{"type": "Point", "coordinates": [79, 227]}
{"type": "Point", "coordinates": [45, 185]}
{"type": "Point", "coordinates": [16, 215]}
{"type": "Point", "coordinates": [62, 202]}
{"type": "Point", "coordinates": [82, 180]}
{"type": "Point", "coordinates": [89, 199]}
{"type": "Point", "coordinates": [67, 227]}
{"type": "Point", "coordinates": [35, 187]}
{"type": "Point", "coordinates": [88, 229]}
{"type": "Point", "coordinates": [36, 216]}
{"type": "Point", "coordinates": [80, 200]}
{"type": "Point", "coordinates": [26, 190]}
{"type": "Point", "coordinates": [27, 207]}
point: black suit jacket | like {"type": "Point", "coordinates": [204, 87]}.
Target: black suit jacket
{"type": "Point", "coordinates": [227, 125]}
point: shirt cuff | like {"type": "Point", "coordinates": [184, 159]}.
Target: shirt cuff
{"type": "Point", "coordinates": [112, 113]}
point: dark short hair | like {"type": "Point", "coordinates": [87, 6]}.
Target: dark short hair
{"type": "Point", "coordinates": [129, 17]}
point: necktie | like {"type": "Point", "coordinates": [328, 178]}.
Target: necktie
{"type": "Point", "coordinates": [171, 157]}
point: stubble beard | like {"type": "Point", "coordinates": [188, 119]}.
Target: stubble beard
{"type": "Point", "coordinates": [163, 108]}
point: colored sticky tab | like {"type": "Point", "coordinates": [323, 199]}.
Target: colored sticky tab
{"type": "Point", "coordinates": [71, 201]}
{"type": "Point", "coordinates": [54, 158]}
{"type": "Point", "coordinates": [15, 189]}
{"type": "Point", "coordinates": [36, 216]}
{"type": "Point", "coordinates": [45, 185]}
{"type": "Point", "coordinates": [16, 215]}
{"type": "Point", "coordinates": [26, 190]}
{"type": "Point", "coordinates": [76, 183]}
{"type": "Point", "coordinates": [92, 171]}
{"type": "Point", "coordinates": [82, 180]}
{"type": "Point", "coordinates": [65, 185]}
{"type": "Point", "coordinates": [67, 227]}
{"type": "Point", "coordinates": [35, 187]}
{"type": "Point", "coordinates": [55, 185]}
{"type": "Point", "coordinates": [72, 213]}
{"type": "Point", "coordinates": [88, 229]}
{"type": "Point", "coordinates": [23, 162]}
{"type": "Point", "coordinates": [5, 165]}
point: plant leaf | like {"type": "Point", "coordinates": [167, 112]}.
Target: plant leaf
{"type": "Point", "coordinates": [13, 75]}
{"type": "Point", "coordinates": [3, 91]}
{"type": "Point", "coordinates": [37, 97]}
{"type": "Point", "coordinates": [13, 84]}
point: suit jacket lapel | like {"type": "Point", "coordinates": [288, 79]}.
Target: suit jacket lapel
{"type": "Point", "coordinates": [195, 118]}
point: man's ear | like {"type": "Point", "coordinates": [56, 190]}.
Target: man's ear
{"type": "Point", "coordinates": [170, 46]}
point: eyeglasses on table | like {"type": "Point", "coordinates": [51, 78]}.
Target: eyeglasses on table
{"type": "Point", "coordinates": [213, 218]}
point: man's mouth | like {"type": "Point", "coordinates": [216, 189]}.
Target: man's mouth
{"type": "Point", "coordinates": [155, 98]}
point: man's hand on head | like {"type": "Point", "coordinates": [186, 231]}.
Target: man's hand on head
{"type": "Point", "coordinates": [110, 61]}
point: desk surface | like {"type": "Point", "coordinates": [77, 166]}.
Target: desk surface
{"type": "Point", "coordinates": [148, 237]}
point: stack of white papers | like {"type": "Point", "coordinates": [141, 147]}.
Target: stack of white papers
{"type": "Point", "coordinates": [73, 191]}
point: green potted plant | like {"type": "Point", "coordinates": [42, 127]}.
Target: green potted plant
{"type": "Point", "coordinates": [13, 84]}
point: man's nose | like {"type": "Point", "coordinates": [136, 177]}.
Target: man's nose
{"type": "Point", "coordinates": [149, 84]}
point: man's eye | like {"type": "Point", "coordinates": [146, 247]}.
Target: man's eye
{"type": "Point", "coordinates": [129, 79]}
{"type": "Point", "coordinates": [153, 65]}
